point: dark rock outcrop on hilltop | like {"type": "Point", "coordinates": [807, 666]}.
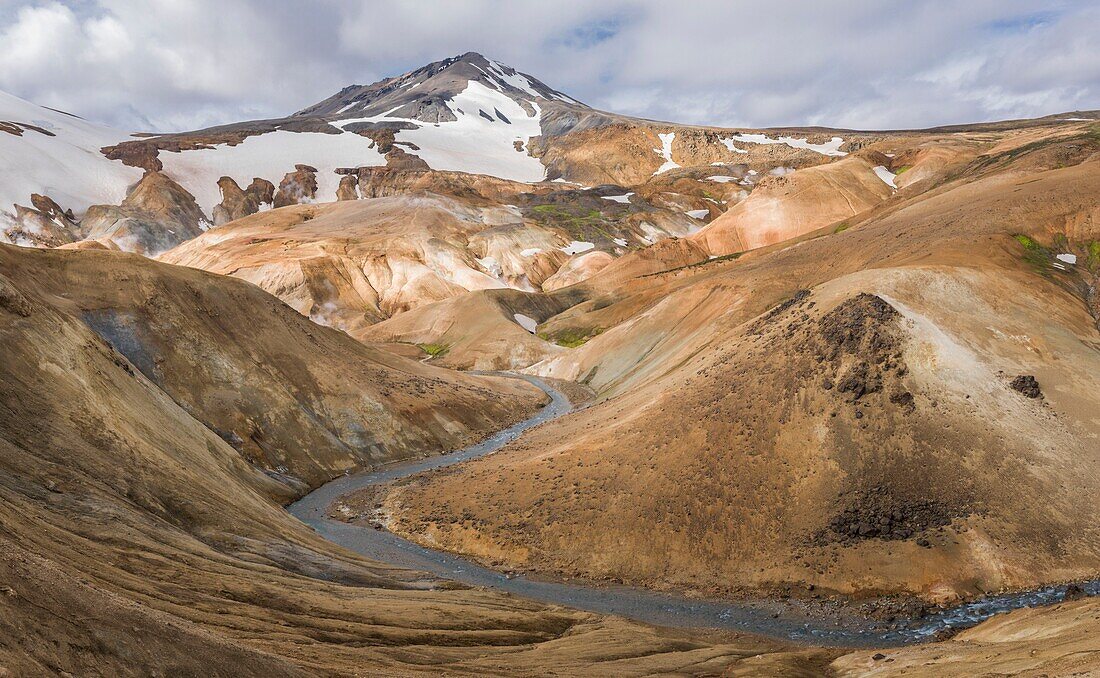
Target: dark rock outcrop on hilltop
{"type": "Point", "coordinates": [156, 215]}
{"type": "Point", "coordinates": [237, 203]}
{"type": "Point", "coordinates": [1027, 385]}
{"type": "Point", "coordinates": [297, 187]}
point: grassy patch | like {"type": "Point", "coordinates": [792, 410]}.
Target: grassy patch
{"type": "Point", "coordinates": [1029, 244]}
{"type": "Point", "coordinates": [582, 224]}
{"type": "Point", "coordinates": [1092, 261]}
{"type": "Point", "coordinates": [550, 210]}
{"type": "Point", "coordinates": [841, 227]}
{"type": "Point", "coordinates": [434, 350]}
{"type": "Point", "coordinates": [1035, 254]}
{"type": "Point", "coordinates": [571, 338]}
{"type": "Point", "coordinates": [902, 170]}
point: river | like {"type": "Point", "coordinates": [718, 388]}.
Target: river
{"type": "Point", "coordinates": [770, 617]}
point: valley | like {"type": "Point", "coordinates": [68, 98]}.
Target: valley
{"type": "Point", "coordinates": [453, 373]}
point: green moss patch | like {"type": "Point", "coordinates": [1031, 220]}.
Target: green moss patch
{"type": "Point", "coordinates": [434, 350]}
{"type": "Point", "coordinates": [571, 338]}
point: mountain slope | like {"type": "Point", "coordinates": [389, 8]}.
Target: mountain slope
{"type": "Point", "coordinates": [467, 114]}
{"type": "Point", "coordinates": [747, 429]}
{"type": "Point", "coordinates": [138, 536]}
{"type": "Point", "coordinates": [58, 155]}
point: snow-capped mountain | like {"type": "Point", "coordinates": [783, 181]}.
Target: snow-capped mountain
{"type": "Point", "coordinates": [467, 114]}
{"type": "Point", "coordinates": [423, 94]}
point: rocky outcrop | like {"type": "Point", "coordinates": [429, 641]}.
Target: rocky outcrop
{"type": "Point", "coordinates": [237, 203]}
{"type": "Point", "coordinates": [1027, 385]}
{"type": "Point", "coordinates": [381, 134]}
{"type": "Point", "coordinates": [297, 187]}
{"type": "Point", "coordinates": [348, 188]}
{"type": "Point", "coordinates": [376, 182]}
{"type": "Point", "coordinates": [398, 159]}
{"type": "Point", "coordinates": [44, 225]}
{"type": "Point", "coordinates": [156, 215]}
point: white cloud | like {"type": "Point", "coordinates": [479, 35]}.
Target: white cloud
{"type": "Point", "coordinates": [174, 65]}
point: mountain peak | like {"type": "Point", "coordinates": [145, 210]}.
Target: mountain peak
{"type": "Point", "coordinates": [422, 94]}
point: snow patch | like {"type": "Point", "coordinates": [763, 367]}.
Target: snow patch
{"type": "Point", "coordinates": [530, 252]}
{"type": "Point", "coordinates": [728, 143]}
{"type": "Point", "coordinates": [722, 179]}
{"type": "Point", "coordinates": [577, 246]}
{"type": "Point", "coordinates": [491, 265]}
{"type": "Point", "coordinates": [516, 80]}
{"type": "Point", "coordinates": [479, 146]}
{"type": "Point", "coordinates": [619, 241]}
{"type": "Point", "coordinates": [526, 322]}
{"type": "Point", "coordinates": [624, 198]}
{"type": "Point", "coordinates": [697, 214]}
{"type": "Point", "coordinates": [471, 143]}
{"type": "Point", "coordinates": [665, 151]}
{"type": "Point", "coordinates": [1068, 258]}
{"type": "Point", "coordinates": [886, 175]}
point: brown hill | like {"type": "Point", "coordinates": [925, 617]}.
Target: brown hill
{"type": "Point", "coordinates": [859, 438]}
{"type": "Point", "coordinates": [139, 542]}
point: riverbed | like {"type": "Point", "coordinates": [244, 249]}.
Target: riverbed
{"type": "Point", "coordinates": [839, 627]}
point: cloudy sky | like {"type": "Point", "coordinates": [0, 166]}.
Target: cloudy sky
{"type": "Point", "coordinates": [182, 64]}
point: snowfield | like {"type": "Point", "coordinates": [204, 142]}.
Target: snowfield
{"type": "Point", "coordinates": [471, 144]}
{"type": "Point", "coordinates": [269, 156]}
{"type": "Point", "coordinates": [832, 148]}
{"type": "Point", "coordinates": [67, 167]}
{"type": "Point", "coordinates": [479, 146]}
